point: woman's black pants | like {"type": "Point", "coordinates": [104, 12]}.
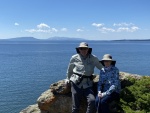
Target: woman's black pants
{"type": "Point", "coordinates": [102, 104]}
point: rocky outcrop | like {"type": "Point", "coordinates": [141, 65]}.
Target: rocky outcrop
{"type": "Point", "coordinates": [57, 99]}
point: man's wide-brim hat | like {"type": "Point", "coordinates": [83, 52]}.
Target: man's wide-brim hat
{"type": "Point", "coordinates": [108, 57]}
{"type": "Point", "coordinates": [83, 45]}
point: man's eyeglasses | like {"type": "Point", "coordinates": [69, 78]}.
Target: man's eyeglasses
{"type": "Point", "coordinates": [83, 48]}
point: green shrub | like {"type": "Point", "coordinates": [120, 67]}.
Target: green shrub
{"type": "Point", "coordinates": [136, 97]}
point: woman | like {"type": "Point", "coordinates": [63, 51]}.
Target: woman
{"type": "Point", "coordinates": [108, 84]}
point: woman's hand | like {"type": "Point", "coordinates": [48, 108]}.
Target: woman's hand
{"type": "Point", "coordinates": [101, 95]}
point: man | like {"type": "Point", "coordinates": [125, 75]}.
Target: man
{"type": "Point", "coordinates": [79, 73]}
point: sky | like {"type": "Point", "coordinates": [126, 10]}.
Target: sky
{"type": "Point", "coordinates": [88, 19]}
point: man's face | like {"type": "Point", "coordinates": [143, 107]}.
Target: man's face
{"type": "Point", "coordinates": [83, 51]}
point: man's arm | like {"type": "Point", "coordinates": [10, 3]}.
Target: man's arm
{"type": "Point", "coordinates": [70, 68]}
{"type": "Point", "coordinates": [98, 64]}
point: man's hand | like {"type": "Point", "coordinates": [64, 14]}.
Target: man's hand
{"type": "Point", "coordinates": [67, 81]}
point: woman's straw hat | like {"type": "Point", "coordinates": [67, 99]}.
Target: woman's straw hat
{"type": "Point", "coordinates": [108, 57]}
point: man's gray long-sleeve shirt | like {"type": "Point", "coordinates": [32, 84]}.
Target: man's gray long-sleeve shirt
{"type": "Point", "coordinates": [84, 66]}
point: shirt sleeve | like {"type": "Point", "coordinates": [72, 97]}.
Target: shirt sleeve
{"type": "Point", "coordinates": [98, 64]}
{"type": "Point", "coordinates": [99, 84]}
{"type": "Point", "coordinates": [70, 68]}
{"type": "Point", "coordinates": [115, 83]}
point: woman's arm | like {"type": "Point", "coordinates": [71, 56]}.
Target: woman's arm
{"type": "Point", "coordinates": [115, 82]}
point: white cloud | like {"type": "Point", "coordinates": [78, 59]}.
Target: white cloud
{"type": "Point", "coordinates": [79, 30]}
{"type": "Point", "coordinates": [105, 30]}
{"type": "Point", "coordinates": [42, 25]}
{"type": "Point", "coordinates": [64, 29]}
{"type": "Point", "coordinates": [54, 29]}
{"type": "Point", "coordinates": [37, 31]}
{"type": "Point", "coordinates": [123, 24]}
{"type": "Point", "coordinates": [42, 28]}
{"type": "Point", "coordinates": [134, 28]}
{"type": "Point", "coordinates": [127, 29]}
{"type": "Point", "coordinates": [119, 27]}
{"type": "Point", "coordinates": [97, 25]}
{"type": "Point", "coordinates": [16, 24]}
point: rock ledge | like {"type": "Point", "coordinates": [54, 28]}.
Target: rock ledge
{"type": "Point", "coordinates": [57, 99]}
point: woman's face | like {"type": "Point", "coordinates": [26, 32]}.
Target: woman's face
{"type": "Point", "coordinates": [83, 51]}
{"type": "Point", "coordinates": [107, 63]}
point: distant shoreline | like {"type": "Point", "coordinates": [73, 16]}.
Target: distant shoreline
{"type": "Point", "coordinates": [133, 40]}
{"type": "Point", "coordinates": [20, 39]}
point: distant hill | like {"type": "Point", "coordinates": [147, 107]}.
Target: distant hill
{"type": "Point", "coordinates": [21, 39]}
{"type": "Point", "coordinates": [35, 39]}
{"type": "Point", "coordinates": [24, 39]}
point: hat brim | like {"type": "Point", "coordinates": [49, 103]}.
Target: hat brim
{"type": "Point", "coordinates": [112, 63]}
{"type": "Point", "coordinates": [89, 51]}
{"type": "Point", "coordinates": [83, 46]}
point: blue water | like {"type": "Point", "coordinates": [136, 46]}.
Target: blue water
{"type": "Point", "coordinates": [28, 68]}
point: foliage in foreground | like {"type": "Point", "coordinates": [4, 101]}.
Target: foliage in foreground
{"type": "Point", "coordinates": [136, 97]}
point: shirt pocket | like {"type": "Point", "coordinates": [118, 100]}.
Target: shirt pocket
{"type": "Point", "coordinates": [79, 67]}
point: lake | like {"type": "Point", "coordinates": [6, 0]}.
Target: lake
{"type": "Point", "coordinates": [28, 68]}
